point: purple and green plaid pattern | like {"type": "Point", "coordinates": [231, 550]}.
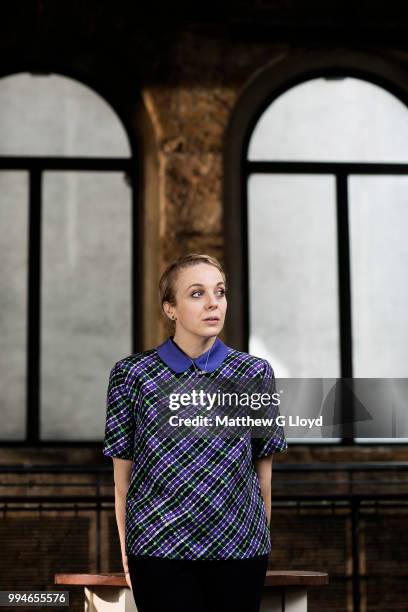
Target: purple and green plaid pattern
{"type": "Point", "coordinates": [192, 497]}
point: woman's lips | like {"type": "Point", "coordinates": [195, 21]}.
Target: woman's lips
{"type": "Point", "coordinates": [211, 321]}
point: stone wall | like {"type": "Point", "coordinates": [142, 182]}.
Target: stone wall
{"type": "Point", "coordinates": [189, 112]}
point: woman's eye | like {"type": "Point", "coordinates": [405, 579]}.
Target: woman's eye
{"type": "Point", "coordinates": [199, 292]}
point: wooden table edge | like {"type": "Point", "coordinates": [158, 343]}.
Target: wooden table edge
{"type": "Point", "coordinates": [273, 578]}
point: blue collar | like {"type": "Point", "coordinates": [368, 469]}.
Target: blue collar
{"type": "Point", "coordinates": [178, 361]}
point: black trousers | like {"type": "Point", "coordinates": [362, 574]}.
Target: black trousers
{"type": "Point", "coordinates": [202, 585]}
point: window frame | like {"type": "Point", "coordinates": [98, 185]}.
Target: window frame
{"type": "Point", "coordinates": [35, 166]}
{"type": "Point", "coordinates": [259, 93]}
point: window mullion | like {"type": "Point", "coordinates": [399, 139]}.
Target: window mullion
{"type": "Point", "coordinates": [34, 303]}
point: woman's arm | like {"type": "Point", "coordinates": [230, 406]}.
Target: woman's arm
{"type": "Point", "coordinates": [122, 469]}
{"type": "Point", "coordinates": [263, 468]}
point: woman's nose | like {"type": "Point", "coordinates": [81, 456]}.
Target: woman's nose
{"type": "Point", "coordinates": [212, 301]}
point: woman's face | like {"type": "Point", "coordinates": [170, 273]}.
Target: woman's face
{"type": "Point", "coordinates": [200, 297]}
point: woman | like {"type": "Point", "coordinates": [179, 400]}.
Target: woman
{"type": "Point", "coordinates": [193, 515]}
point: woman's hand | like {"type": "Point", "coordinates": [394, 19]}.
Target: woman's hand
{"type": "Point", "coordinates": [126, 570]}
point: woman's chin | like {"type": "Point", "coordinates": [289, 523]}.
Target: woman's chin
{"type": "Point", "coordinates": [212, 329]}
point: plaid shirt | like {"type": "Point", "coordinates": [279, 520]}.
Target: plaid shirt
{"type": "Point", "coordinates": [188, 498]}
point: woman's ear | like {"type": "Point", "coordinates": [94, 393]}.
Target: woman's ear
{"type": "Point", "coordinates": [168, 310]}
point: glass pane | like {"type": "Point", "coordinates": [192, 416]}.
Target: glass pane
{"type": "Point", "coordinates": [293, 274]}
{"type": "Point", "coordinates": [378, 215]}
{"type": "Point", "coordinates": [86, 298]}
{"type": "Point", "coordinates": [13, 303]}
{"type": "Point", "coordinates": [332, 120]}
{"type": "Point", "coordinates": [55, 115]}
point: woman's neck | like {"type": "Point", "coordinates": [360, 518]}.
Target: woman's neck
{"type": "Point", "coordinates": [193, 346]}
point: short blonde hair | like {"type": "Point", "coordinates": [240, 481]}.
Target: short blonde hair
{"type": "Point", "coordinates": [167, 283]}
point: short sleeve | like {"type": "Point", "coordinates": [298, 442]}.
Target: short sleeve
{"type": "Point", "coordinates": [276, 442]}
{"type": "Point", "coordinates": [120, 421]}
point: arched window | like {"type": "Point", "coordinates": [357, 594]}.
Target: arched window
{"type": "Point", "coordinates": [66, 252]}
{"type": "Point", "coordinates": [326, 212]}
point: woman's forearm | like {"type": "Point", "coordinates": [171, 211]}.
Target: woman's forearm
{"type": "Point", "coordinates": [120, 512]}
{"type": "Point", "coordinates": [266, 490]}
{"type": "Point", "coordinates": [263, 468]}
{"type": "Point", "coordinates": [122, 473]}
